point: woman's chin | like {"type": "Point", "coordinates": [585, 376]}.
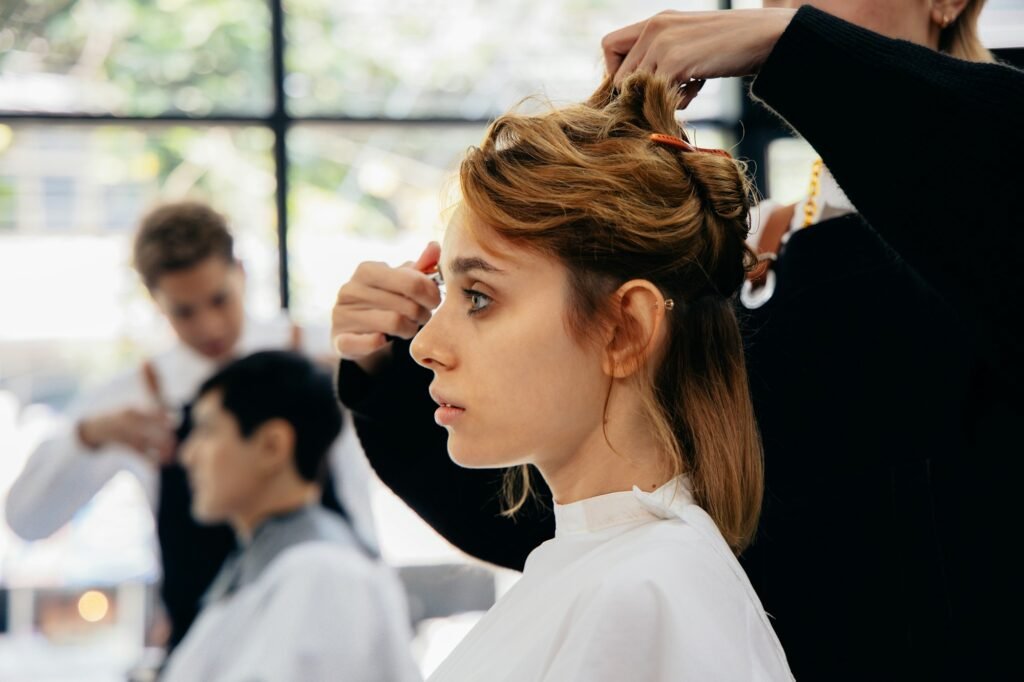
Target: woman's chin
{"type": "Point", "coordinates": [478, 456]}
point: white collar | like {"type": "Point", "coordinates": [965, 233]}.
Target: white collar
{"type": "Point", "coordinates": [628, 506]}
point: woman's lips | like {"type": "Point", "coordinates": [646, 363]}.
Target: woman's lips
{"type": "Point", "coordinates": [448, 412]}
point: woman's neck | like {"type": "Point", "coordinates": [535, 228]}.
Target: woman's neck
{"type": "Point", "coordinates": [617, 457]}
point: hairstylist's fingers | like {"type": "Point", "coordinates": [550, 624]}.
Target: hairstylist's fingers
{"type": "Point", "coordinates": [148, 433]}
{"type": "Point", "coordinates": [670, 48]}
{"type": "Point", "coordinates": [643, 55]}
{"type": "Point", "coordinates": [649, 63]}
{"type": "Point", "coordinates": [688, 92]}
{"type": "Point", "coordinates": [632, 60]}
{"type": "Point", "coordinates": [167, 456]}
{"type": "Point", "coordinates": [358, 346]}
{"type": "Point", "coordinates": [161, 446]}
{"type": "Point", "coordinates": [700, 45]}
{"type": "Point", "coordinates": [617, 44]}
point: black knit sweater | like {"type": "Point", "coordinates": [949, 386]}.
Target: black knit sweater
{"type": "Point", "coordinates": [929, 150]}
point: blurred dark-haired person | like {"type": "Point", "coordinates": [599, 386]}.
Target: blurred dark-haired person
{"type": "Point", "coordinates": [184, 254]}
{"type": "Point", "coordinates": [301, 599]}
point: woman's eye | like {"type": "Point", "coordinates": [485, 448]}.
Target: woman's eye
{"type": "Point", "coordinates": [477, 301]}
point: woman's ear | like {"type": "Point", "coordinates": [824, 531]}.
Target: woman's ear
{"type": "Point", "coordinates": [639, 328]}
{"type": "Point", "coordinates": [945, 12]}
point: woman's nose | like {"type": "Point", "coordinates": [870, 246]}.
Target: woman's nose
{"type": "Point", "coordinates": [426, 347]}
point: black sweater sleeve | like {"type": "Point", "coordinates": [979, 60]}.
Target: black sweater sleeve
{"type": "Point", "coordinates": [393, 416]}
{"type": "Point", "coordinates": [927, 147]}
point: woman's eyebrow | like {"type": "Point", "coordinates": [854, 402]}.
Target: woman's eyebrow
{"type": "Point", "coordinates": [461, 266]}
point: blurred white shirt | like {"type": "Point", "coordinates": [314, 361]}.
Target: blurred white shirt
{"type": "Point", "coordinates": [302, 601]}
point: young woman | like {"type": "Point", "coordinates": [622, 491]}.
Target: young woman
{"type": "Point", "coordinates": [589, 331]}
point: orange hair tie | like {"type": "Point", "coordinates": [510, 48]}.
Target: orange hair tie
{"type": "Point", "coordinates": [683, 145]}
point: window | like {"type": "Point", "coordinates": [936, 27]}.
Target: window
{"type": "Point", "coordinates": [467, 59]}
{"type": "Point", "coordinates": [132, 58]}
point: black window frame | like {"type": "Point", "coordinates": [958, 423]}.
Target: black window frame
{"type": "Point", "coordinates": [754, 128]}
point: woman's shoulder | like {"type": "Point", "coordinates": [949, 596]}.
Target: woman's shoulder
{"type": "Point", "coordinates": [674, 575]}
{"type": "Point", "coordinates": [683, 559]}
{"type": "Point", "coordinates": [671, 584]}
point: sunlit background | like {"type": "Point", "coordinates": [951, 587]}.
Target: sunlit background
{"type": "Point", "coordinates": [328, 131]}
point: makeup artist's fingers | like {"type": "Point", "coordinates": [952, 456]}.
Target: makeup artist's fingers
{"type": "Point", "coordinates": [406, 282]}
{"type": "Point", "coordinates": [359, 296]}
{"type": "Point", "coordinates": [427, 262]}
{"type": "Point", "coordinates": [358, 346]}
{"type": "Point", "coordinates": [381, 302]}
{"type": "Point", "coordinates": [372, 321]}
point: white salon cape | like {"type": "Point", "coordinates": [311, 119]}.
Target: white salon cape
{"type": "Point", "coordinates": [301, 602]}
{"type": "Point", "coordinates": [637, 587]}
{"type": "Point", "coordinates": [62, 474]}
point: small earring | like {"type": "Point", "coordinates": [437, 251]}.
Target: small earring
{"type": "Point", "coordinates": [946, 21]}
{"type": "Point", "coordinates": [669, 304]}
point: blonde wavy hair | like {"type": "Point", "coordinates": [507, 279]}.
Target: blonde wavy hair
{"type": "Point", "coordinates": [587, 185]}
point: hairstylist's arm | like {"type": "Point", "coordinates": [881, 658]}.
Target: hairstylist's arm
{"type": "Point", "coordinates": [695, 46]}
{"type": "Point", "coordinates": [381, 301]}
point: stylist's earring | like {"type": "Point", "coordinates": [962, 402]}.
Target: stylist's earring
{"type": "Point", "coordinates": [669, 304]}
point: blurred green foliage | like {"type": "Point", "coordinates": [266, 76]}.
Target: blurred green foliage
{"type": "Point", "coordinates": [136, 57]}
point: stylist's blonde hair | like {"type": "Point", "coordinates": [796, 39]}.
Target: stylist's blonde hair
{"type": "Point", "coordinates": [588, 186]}
{"type": "Point", "coordinates": [960, 39]}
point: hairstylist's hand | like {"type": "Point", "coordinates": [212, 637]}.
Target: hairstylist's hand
{"type": "Point", "coordinates": [148, 432]}
{"type": "Point", "coordinates": [695, 46]}
{"type": "Point", "coordinates": [381, 300]}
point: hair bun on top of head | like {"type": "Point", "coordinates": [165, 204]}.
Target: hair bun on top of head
{"type": "Point", "coordinates": [588, 182]}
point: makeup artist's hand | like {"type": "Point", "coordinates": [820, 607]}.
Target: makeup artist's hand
{"type": "Point", "coordinates": [381, 301]}
{"type": "Point", "coordinates": [690, 47]}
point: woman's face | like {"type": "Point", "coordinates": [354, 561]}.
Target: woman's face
{"type": "Point", "coordinates": [512, 383]}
